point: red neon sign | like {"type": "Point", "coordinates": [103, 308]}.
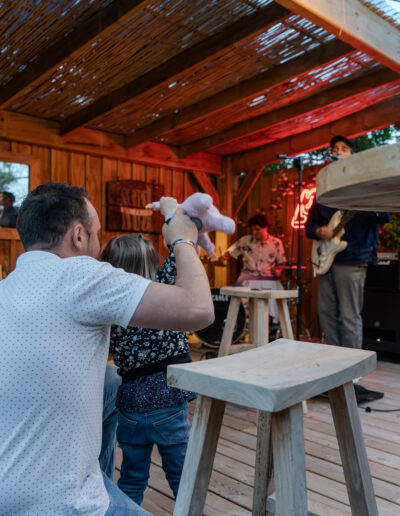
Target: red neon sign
{"type": "Point", "coordinates": [301, 212]}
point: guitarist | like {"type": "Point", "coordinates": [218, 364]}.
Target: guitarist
{"type": "Point", "coordinates": [340, 290]}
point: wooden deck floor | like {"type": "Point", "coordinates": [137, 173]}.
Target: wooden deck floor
{"type": "Point", "coordinates": [231, 486]}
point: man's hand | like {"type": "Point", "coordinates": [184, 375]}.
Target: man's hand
{"type": "Point", "coordinates": [168, 205]}
{"type": "Point", "coordinates": [180, 226]}
{"type": "Point", "coordinates": [324, 233]}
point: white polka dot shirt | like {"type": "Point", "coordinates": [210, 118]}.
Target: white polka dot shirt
{"type": "Point", "coordinates": [55, 317]}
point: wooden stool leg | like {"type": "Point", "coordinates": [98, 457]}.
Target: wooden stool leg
{"type": "Point", "coordinates": [284, 319]}
{"type": "Point", "coordinates": [199, 457]}
{"type": "Point", "coordinates": [229, 328]}
{"type": "Point", "coordinates": [258, 321]}
{"type": "Point", "coordinates": [352, 451]}
{"type": "Point", "coordinates": [287, 330]}
{"type": "Point", "coordinates": [289, 462]}
{"type": "Point", "coordinates": [263, 478]}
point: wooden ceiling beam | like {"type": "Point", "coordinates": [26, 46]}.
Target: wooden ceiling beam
{"type": "Point", "coordinates": [369, 119]}
{"type": "Point", "coordinates": [353, 22]}
{"type": "Point", "coordinates": [245, 189]}
{"type": "Point", "coordinates": [242, 29]}
{"type": "Point", "coordinates": [321, 99]}
{"type": "Point", "coordinates": [206, 185]}
{"type": "Point", "coordinates": [37, 131]}
{"type": "Point", "coordinates": [245, 89]}
{"type": "Point", "coordinates": [99, 25]}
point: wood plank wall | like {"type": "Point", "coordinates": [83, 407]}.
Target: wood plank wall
{"type": "Point", "coordinates": [92, 172]}
{"type": "Point", "coordinates": [272, 193]}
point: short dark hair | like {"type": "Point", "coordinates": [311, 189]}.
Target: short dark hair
{"type": "Point", "coordinates": [261, 219]}
{"type": "Point", "coordinates": [48, 211]}
{"type": "Point", "coordinates": [9, 195]}
{"type": "Point", "coordinates": [340, 138]}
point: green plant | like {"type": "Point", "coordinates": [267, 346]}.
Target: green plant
{"type": "Point", "coordinates": [390, 234]}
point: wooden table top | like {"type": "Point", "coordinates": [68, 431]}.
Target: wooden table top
{"type": "Point", "coordinates": [368, 180]}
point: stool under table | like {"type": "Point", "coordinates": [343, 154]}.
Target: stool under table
{"type": "Point", "coordinates": [275, 379]}
{"type": "Point", "coordinates": [258, 315]}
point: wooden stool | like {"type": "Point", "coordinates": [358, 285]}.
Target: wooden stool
{"type": "Point", "coordinates": [258, 315]}
{"type": "Point", "coordinates": [275, 379]}
{"type": "Point", "coordinates": [258, 329]}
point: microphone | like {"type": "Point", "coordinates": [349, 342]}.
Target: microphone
{"type": "Point", "coordinates": [285, 156]}
{"type": "Point", "coordinates": [332, 157]}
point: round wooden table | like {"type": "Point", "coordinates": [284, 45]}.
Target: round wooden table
{"type": "Point", "coordinates": [368, 180]}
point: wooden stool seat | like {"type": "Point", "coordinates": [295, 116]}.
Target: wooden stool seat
{"type": "Point", "coordinates": [258, 293]}
{"type": "Point", "coordinates": [275, 379]}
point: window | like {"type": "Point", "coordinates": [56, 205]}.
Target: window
{"type": "Point", "coordinates": [14, 178]}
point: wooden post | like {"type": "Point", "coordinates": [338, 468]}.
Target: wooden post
{"type": "Point", "coordinates": [222, 275]}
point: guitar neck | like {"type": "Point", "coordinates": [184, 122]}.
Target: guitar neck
{"type": "Point", "coordinates": [346, 216]}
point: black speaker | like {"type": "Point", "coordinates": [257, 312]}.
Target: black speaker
{"type": "Point", "coordinates": [386, 274]}
{"type": "Point", "coordinates": [381, 321]}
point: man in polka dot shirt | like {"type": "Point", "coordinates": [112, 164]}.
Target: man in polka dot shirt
{"type": "Point", "coordinates": [56, 309]}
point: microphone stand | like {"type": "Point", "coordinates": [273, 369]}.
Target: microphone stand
{"type": "Point", "coordinates": [298, 162]}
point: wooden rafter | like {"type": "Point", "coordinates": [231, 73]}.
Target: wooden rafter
{"type": "Point", "coordinates": [98, 25]}
{"type": "Point", "coordinates": [245, 89]}
{"type": "Point", "coordinates": [32, 130]}
{"type": "Point", "coordinates": [246, 27]}
{"type": "Point", "coordinates": [245, 189]}
{"type": "Point", "coordinates": [353, 22]}
{"type": "Point", "coordinates": [335, 93]}
{"type": "Point", "coordinates": [206, 185]}
{"type": "Point", "coordinates": [369, 119]}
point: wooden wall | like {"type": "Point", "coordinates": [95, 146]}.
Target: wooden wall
{"type": "Point", "coordinates": [92, 172]}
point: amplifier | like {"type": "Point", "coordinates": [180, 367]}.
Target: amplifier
{"type": "Point", "coordinates": [385, 275]}
{"type": "Point", "coordinates": [381, 322]}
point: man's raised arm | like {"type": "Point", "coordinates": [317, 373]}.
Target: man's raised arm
{"type": "Point", "coordinates": [187, 305]}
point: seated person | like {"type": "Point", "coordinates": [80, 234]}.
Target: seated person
{"type": "Point", "coordinates": [261, 253]}
{"type": "Point", "coordinates": [8, 217]}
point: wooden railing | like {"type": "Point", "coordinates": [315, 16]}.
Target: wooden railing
{"type": "Point", "coordinates": [10, 248]}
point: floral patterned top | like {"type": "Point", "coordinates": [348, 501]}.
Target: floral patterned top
{"type": "Point", "coordinates": [139, 351]}
{"type": "Point", "coordinates": [259, 258]}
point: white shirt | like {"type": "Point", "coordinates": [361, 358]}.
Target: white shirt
{"type": "Point", "coordinates": [55, 317]}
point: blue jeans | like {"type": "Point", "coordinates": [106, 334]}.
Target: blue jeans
{"type": "Point", "coordinates": [137, 433]}
{"type": "Point", "coordinates": [110, 421]}
{"type": "Point", "coordinates": [120, 504]}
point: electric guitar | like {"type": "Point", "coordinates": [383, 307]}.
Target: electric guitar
{"type": "Point", "coordinates": [324, 251]}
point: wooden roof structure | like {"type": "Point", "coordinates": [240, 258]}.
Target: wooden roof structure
{"type": "Point", "coordinates": [198, 80]}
